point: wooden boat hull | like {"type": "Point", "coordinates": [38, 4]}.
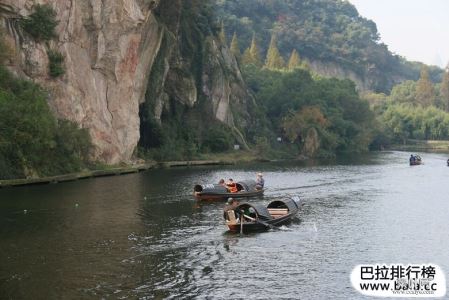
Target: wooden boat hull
{"type": "Point", "coordinates": [224, 196]}
{"type": "Point", "coordinates": [416, 163]}
{"type": "Point", "coordinates": [258, 227]}
{"type": "Point", "coordinates": [256, 217]}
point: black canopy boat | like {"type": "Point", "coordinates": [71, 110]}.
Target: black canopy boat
{"type": "Point", "coordinates": [415, 160]}
{"type": "Point", "coordinates": [245, 188]}
{"type": "Point", "coordinates": [255, 217]}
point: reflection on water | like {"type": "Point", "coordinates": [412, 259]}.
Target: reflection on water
{"type": "Point", "coordinates": [144, 236]}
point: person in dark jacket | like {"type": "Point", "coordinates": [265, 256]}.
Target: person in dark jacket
{"type": "Point", "coordinates": [260, 182]}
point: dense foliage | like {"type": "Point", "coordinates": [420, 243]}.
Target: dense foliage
{"type": "Point", "coordinates": [41, 23]}
{"type": "Point", "coordinates": [410, 122]}
{"type": "Point", "coordinates": [323, 30]}
{"type": "Point", "coordinates": [414, 110]}
{"type": "Point", "coordinates": [295, 101]}
{"type": "Point", "coordinates": [55, 63]}
{"type": "Point", "coordinates": [32, 141]}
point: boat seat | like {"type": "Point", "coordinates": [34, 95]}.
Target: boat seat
{"type": "Point", "coordinates": [278, 212]}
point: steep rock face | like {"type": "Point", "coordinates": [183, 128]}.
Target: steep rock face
{"type": "Point", "coordinates": [114, 52]}
{"type": "Point", "coordinates": [194, 69]}
{"type": "Point", "coordinates": [108, 46]}
{"type": "Point", "coordinates": [371, 79]}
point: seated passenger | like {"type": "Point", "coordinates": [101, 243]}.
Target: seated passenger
{"type": "Point", "coordinates": [232, 187]}
{"type": "Point", "coordinates": [222, 182]}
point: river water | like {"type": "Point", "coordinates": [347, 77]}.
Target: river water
{"type": "Point", "coordinates": [144, 236]}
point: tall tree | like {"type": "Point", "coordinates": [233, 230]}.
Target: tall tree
{"type": "Point", "coordinates": [252, 54]}
{"type": "Point", "coordinates": [235, 49]}
{"type": "Point", "coordinates": [444, 89]}
{"type": "Point", "coordinates": [246, 58]}
{"type": "Point", "coordinates": [274, 59]}
{"type": "Point", "coordinates": [222, 34]}
{"type": "Point", "coordinates": [424, 89]}
{"type": "Point", "coordinates": [294, 62]}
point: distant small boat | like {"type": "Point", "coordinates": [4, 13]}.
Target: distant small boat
{"type": "Point", "coordinates": [416, 161]}
{"type": "Point", "coordinates": [245, 188]}
{"type": "Point", "coordinates": [255, 217]}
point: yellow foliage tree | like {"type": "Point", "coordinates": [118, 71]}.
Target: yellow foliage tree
{"type": "Point", "coordinates": [235, 49]}
{"type": "Point", "coordinates": [274, 59]}
{"type": "Point", "coordinates": [424, 89]}
{"type": "Point", "coordinates": [296, 124]}
{"type": "Point", "coordinates": [252, 54]}
{"type": "Point", "coordinates": [444, 89]}
{"type": "Point", "coordinates": [294, 62]}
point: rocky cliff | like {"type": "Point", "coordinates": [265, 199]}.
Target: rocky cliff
{"type": "Point", "coordinates": [119, 54]}
{"type": "Point", "coordinates": [370, 79]}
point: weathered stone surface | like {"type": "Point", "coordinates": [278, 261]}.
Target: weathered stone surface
{"type": "Point", "coordinates": [109, 47]}
{"type": "Point", "coordinates": [114, 52]}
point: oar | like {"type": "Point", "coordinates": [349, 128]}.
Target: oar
{"type": "Point", "coordinates": [261, 222]}
{"type": "Point", "coordinates": [241, 224]}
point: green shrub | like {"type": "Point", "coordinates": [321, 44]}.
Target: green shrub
{"type": "Point", "coordinates": [218, 139]}
{"type": "Point", "coordinates": [73, 146]}
{"type": "Point", "coordinates": [32, 141]}
{"type": "Point", "coordinates": [55, 64]}
{"type": "Point", "coordinates": [41, 23]}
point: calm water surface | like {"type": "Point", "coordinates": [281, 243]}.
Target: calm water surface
{"type": "Point", "coordinates": [144, 236]}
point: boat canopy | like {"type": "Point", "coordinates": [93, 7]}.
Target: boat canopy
{"type": "Point", "coordinates": [210, 188]}
{"type": "Point", "coordinates": [260, 210]}
{"type": "Point", "coordinates": [246, 185]}
{"type": "Point", "coordinates": [290, 204]}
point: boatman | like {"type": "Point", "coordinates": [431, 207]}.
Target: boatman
{"type": "Point", "coordinates": [232, 204]}
{"type": "Point", "coordinates": [260, 182]}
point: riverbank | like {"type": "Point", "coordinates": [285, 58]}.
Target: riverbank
{"type": "Point", "coordinates": [108, 172]}
{"type": "Point", "coordinates": [422, 145]}
{"type": "Point", "coordinates": [227, 158]}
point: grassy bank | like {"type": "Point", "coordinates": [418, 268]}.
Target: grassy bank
{"type": "Point", "coordinates": [103, 171]}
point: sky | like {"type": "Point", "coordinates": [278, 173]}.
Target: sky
{"type": "Point", "coordinates": [415, 29]}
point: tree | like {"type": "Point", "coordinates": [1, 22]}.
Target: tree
{"type": "Point", "coordinates": [444, 89]}
{"type": "Point", "coordinates": [295, 125]}
{"type": "Point", "coordinates": [222, 35]}
{"type": "Point", "coordinates": [235, 49]}
{"type": "Point", "coordinates": [252, 54]}
{"type": "Point", "coordinates": [294, 61]}
{"type": "Point", "coordinates": [32, 141]}
{"type": "Point", "coordinates": [274, 59]}
{"type": "Point", "coordinates": [424, 89]}
{"type": "Point", "coordinates": [404, 92]}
